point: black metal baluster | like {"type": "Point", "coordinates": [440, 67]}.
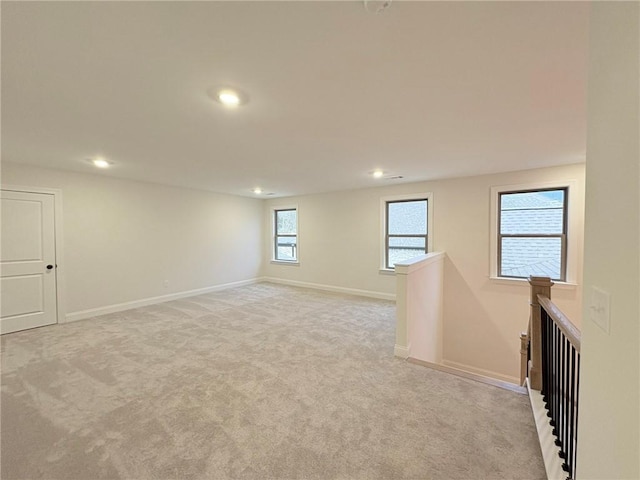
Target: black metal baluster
{"type": "Point", "coordinates": [567, 389]}
{"type": "Point", "coordinates": [572, 438]}
{"type": "Point", "coordinates": [565, 397]}
{"type": "Point", "coordinates": [544, 345]}
{"type": "Point", "coordinates": [549, 369]}
{"type": "Point", "coordinates": [565, 404]}
{"type": "Point", "coordinates": [552, 372]}
{"type": "Point", "coordinates": [559, 387]}
{"type": "Point", "coordinates": [557, 384]}
{"type": "Point", "coordinates": [575, 431]}
{"type": "Point", "coordinates": [560, 423]}
{"type": "Point", "coordinates": [569, 403]}
{"type": "Point", "coordinates": [545, 359]}
{"type": "Point", "coordinates": [549, 363]}
{"type": "Point", "coordinates": [556, 375]}
{"type": "Point", "coordinates": [565, 374]}
{"type": "Point", "coordinates": [570, 374]}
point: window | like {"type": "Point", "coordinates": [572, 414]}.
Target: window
{"type": "Point", "coordinates": [285, 228]}
{"type": "Point", "coordinates": [405, 221]}
{"type": "Point", "coordinates": [532, 233]}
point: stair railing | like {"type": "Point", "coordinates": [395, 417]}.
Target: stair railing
{"type": "Point", "coordinates": [550, 358]}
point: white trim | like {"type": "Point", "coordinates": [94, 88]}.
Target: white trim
{"type": "Point", "coordinates": [383, 221]}
{"type": "Point", "coordinates": [284, 262]}
{"type": "Point", "coordinates": [119, 307]}
{"type": "Point", "coordinates": [481, 372]}
{"type": "Point", "coordinates": [573, 224]}
{"type": "Point", "coordinates": [416, 263]}
{"type": "Point", "coordinates": [332, 288]}
{"type": "Point", "coordinates": [552, 461]}
{"type": "Point", "coordinates": [471, 376]}
{"type": "Point", "coordinates": [59, 240]}
{"type": "Point", "coordinates": [523, 282]}
{"type": "Point", "coordinates": [401, 352]}
{"type": "Point", "coordinates": [272, 213]}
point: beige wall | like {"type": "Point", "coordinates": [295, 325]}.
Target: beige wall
{"type": "Point", "coordinates": [609, 430]}
{"type": "Point", "coordinates": [123, 239]}
{"type": "Point", "coordinates": [339, 236]}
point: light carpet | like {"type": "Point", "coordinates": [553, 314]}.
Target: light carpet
{"type": "Point", "coordinates": [259, 382]}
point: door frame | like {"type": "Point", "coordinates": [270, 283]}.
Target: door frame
{"type": "Point", "coordinates": [57, 219]}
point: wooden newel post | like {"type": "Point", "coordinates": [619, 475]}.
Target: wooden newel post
{"type": "Point", "coordinates": [539, 286]}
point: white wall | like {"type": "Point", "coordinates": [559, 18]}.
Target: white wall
{"type": "Point", "coordinates": [339, 237]}
{"type": "Point", "coordinates": [123, 239]}
{"type": "Point", "coordinates": [609, 430]}
{"type": "Point", "coordinates": [419, 308]}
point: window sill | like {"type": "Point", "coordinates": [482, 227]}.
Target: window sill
{"type": "Point", "coordinates": [285, 262]}
{"type": "Point", "coordinates": [387, 271]}
{"type": "Point", "coordinates": [523, 282]}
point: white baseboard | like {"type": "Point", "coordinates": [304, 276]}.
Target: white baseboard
{"type": "Point", "coordinates": [461, 372]}
{"type": "Point", "coordinates": [552, 461]}
{"type": "Point", "coordinates": [332, 288]}
{"type": "Point", "coordinates": [481, 372]}
{"type": "Point", "coordinates": [401, 352]}
{"type": "Point", "coordinates": [119, 307]}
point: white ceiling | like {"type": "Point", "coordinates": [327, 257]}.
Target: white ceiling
{"type": "Point", "coordinates": [423, 90]}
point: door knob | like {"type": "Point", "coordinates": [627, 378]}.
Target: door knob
{"type": "Point", "coordinates": [49, 267]}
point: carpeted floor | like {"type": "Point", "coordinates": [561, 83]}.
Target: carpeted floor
{"type": "Point", "coordinates": [258, 382]}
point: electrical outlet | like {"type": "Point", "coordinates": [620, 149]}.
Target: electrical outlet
{"type": "Point", "coordinates": [599, 310]}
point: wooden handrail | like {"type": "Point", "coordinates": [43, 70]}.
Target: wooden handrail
{"type": "Point", "coordinates": [564, 324]}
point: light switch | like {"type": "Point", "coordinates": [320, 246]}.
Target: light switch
{"type": "Point", "coordinates": [599, 308]}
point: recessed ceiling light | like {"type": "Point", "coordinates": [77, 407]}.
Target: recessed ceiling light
{"type": "Point", "coordinates": [99, 162]}
{"type": "Point", "coordinates": [378, 174]}
{"type": "Point", "coordinates": [229, 97]}
{"type": "Point", "coordinates": [257, 190]}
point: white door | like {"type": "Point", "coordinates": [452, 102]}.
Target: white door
{"type": "Point", "coordinates": [27, 261]}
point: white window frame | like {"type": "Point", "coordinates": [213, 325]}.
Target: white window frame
{"type": "Point", "coordinates": [573, 228]}
{"type": "Point", "coordinates": [272, 219]}
{"type": "Point", "coordinates": [383, 223]}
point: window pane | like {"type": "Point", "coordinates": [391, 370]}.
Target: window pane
{"type": "Point", "coordinates": [399, 254]}
{"type": "Point", "coordinates": [286, 248]}
{"type": "Point", "coordinates": [404, 248]}
{"type": "Point", "coordinates": [526, 256]}
{"type": "Point", "coordinates": [286, 222]}
{"type": "Point", "coordinates": [407, 218]}
{"type": "Point", "coordinates": [532, 212]}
